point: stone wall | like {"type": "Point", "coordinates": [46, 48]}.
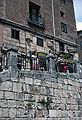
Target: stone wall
{"type": "Point", "coordinates": [41, 96]}
{"type": "Point", "coordinates": [14, 43]}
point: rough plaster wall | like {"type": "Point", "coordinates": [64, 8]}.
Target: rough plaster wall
{"type": "Point", "coordinates": [1, 33]}
{"type": "Point", "coordinates": [69, 19]}
{"type": "Point", "coordinates": [1, 37]}
{"type": "Point", "coordinates": [18, 11]}
{"type": "Point", "coordinates": [2, 8]}
{"type": "Point", "coordinates": [22, 99]}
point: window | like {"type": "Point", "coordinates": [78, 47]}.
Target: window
{"type": "Point", "coordinates": [0, 64]}
{"type": "Point", "coordinates": [40, 42]}
{"type": "Point", "coordinates": [62, 2]}
{"type": "Point", "coordinates": [80, 34]}
{"type": "Point", "coordinates": [35, 18]}
{"type": "Point", "coordinates": [63, 27]}
{"type": "Point", "coordinates": [62, 14]}
{"type": "Point", "coordinates": [71, 1]}
{"type": "Point", "coordinates": [19, 62]}
{"type": "Point", "coordinates": [81, 43]}
{"type": "Point", "coordinates": [34, 12]}
{"type": "Point", "coordinates": [15, 34]}
{"type": "Point", "coordinates": [61, 46]}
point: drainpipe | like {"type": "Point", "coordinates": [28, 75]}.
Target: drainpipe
{"type": "Point", "coordinates": [53, 20]}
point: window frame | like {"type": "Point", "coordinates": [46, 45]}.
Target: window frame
{"type": "Point", "coordinates": [63, 2]}
{"type": "Point", "coordinates": [38, 43]}
{"type": "Point", "coordinates": [61, 45]}
{"type": "Point", "coordinates": [15, 34]}
{"type": "Point", "coordinates": [63, 27]}
{"type": "Point", "coordinates": [80, 43]}
{"type": "Point", "coordinates": [34, 7]}
{"type": "Point", "coordinates": [62, 14]}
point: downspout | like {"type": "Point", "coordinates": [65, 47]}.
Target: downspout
{"type": "Point", "coordinates": [53, 15]}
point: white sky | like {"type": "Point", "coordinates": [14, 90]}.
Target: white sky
{"type": "Point", "coordinates": [78, 13]}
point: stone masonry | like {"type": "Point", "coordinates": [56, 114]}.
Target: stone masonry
{"type": "Point", "coordinates": [56, 26]}
{"type": "Point", "coordinates": [40, 96]}
{"type": "Point", "coordinates": [37, 95]}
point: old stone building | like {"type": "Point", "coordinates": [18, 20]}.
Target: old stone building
{"type": "Point", "coordinates": [79, 41]}
{"type": "Point", "coordinates": [29, 30]}
{"type": "Point", "coordinates": [36, 26]}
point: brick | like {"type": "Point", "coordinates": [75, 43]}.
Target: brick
{"type": "Point", "coordinates": [20, 113]}
{"type": "Point", "coordinates": [12, 103]}
{"type": "Point", "coordinates": [37, 82]}
{"type": "Point", "coordinates": [17, 87]}
{"type": "Point", "coordinates": [28, 80]}
{"type": "Point", "coordinates": [3, 103]}
{"type": "Point", "coordinates": [52, 113]}
{"type": "Point", "coordinates": [9, 95]}
{"type": "Point", "coordinates": [1, 94]}
{"type": "Point", "coordinates": [12, 112]}
{"type": "Point", "coordinates": [0, 112]}
{"type": "Point", "coordinates": [5, 112]}
{"type": "Point", "coordinates": [6, 86]}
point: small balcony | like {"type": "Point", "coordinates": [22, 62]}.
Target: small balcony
{"type": "Point", "coordinates": [37, 21]}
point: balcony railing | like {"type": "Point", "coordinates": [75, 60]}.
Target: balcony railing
{"type": "Point", "coordinates": [37, 21]}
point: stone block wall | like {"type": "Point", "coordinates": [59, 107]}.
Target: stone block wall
{"type": "Point", "coordinates": [30, 98]}
{"type": "Point", "coordinates": [10, 42]}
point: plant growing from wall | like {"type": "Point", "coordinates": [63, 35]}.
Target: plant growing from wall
{"type": "Point", "coordinates": [46, 103]}
{"type": "Point", "coordinates": [43, 102]}
{"type": "Point", "coordinates": [29, 105]}
{"type": "Point", "coordinates": [49, 100]}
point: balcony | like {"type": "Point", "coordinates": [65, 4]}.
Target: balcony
{"type": "Point", "coordinates": [37, 21]}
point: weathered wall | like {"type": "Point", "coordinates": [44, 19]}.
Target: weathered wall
{"type": "Point", "coordinates": [20, 12]}
{"type": "Point", "coordinates": [79, 42]}
{"type": "Point", "coordinates": [21, 43]}
{"type": "Point", "coordinates": [1, 34]}
{"type": "Point", "coordinates": [68, 19]}
{"type": "Point", "coordinates": [31, 98]}
{"type": "Point", "coordinates": [2, 8]}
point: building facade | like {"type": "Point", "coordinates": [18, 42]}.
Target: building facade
{"type": "Point", "coordinates": [36, 26]}
{"type": "Point", "coordinates": [79, 41]}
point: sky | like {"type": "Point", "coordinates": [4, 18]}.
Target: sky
{"type": "Point", "coordinates": [78, 13]}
